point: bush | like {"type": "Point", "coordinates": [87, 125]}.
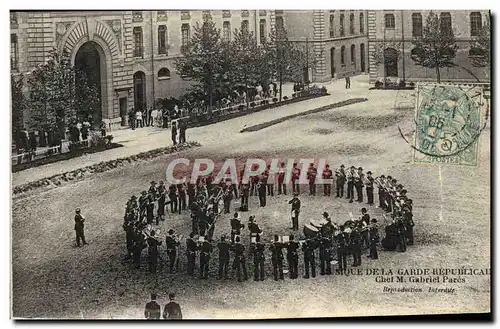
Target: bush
{"type": "Point", "coordinates": [241, 107]}
{"type": "Point", "coordinates": [378, 84]}
{"type": "Point", "coordinates": [96, 139]}
{"type": "Point", "coordinates": [252, 104]}
{"type": "Point", "coordinates": [285, 98]}
{"type": "Point", "coordinates": [275, 99]}
{"type": "Point", "coordinates": [323, 90]}
{"type": "Point", "coordinates": [294, 95]}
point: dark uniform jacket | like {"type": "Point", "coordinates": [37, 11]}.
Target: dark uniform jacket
{"type": "Point", "coordinates": [79, 220]}
{"type": "Point", "coordinates": [223, 250]}
{"type": "Point", "coordinates": [152, 311]}
{"type": "Point", "coordinates": [172, 311]}
{"type": "Point", "coordinates": [295, 202]}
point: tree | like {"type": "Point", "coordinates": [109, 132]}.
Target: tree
{"type": "Point", "coordinates": [204, 59]}
{"type": "Point", "coordinates": [18, 105]}
{"type": "Point", "coordinates": [59, 96]}
{"type": "Point", "coordinates": [281, 56]}
{"type": "Point", "coordinates": [246, 60]}
{"type": "Point", "coordinates": [480, 51]}
{"type": "Point", "coordinates": [436, 48]}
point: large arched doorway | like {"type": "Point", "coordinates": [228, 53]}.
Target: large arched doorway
{"type": "Point", "coordinates": [362, 55]}
{"type": "Point", "coordinates": [391, 62]}
{"type": "Point", "coordinates": [332, 62]}
{"type": "Point", "coordinates": [90, 66]}
{"type": "Point", "coordinates": [139, 91]}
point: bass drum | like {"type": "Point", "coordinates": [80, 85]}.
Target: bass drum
{"type": "Point", "coordinates": [310, 231]}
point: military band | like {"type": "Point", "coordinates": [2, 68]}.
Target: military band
{"type": "Point", "coordinates": [336, 244]}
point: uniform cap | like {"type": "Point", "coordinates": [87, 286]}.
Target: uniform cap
{"type": "Point", "coordinates": [77, 210]}
{"type": "Point", "coordinates": [153, 182]}
{"type": "Point", "coordinates": [360, 168]}
{"type": "Point", "coordinates": [171, 231]}
{"type": "Point", "coordinates": [325, 214]}
{"type": "Point", "coordinates": [368, 172]}
{"type": "Point", "coordinates": [342, 166]}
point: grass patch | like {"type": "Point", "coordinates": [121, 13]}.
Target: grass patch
{"type": "Point", "coordinates": [293, 116]}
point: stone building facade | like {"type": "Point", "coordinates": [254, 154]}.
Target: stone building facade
{"type": "Point", "coordinates": [335, 39]}
{"type": "Point", "coordinates": [390, 34]}
{"type": "Point", "coordinates": [133, 52]}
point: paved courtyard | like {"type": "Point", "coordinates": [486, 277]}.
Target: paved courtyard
{"type": "Point", "coordinates": [51, 278]}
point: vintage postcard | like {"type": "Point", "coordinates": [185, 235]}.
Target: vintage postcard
{"type": "Point", "coordinates": [250, 164]}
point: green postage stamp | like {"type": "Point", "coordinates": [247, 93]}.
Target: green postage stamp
{"type": "Point", "coordinates": [448, 124]}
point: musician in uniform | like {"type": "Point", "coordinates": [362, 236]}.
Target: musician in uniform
{"type": "Point", "coordinates": [258, 260]}
{"type": "Point", "coordinates": [161, 200]}
{"type": "Point", "coordinates": [139, 244]}
{"type": "Point", "coordinates": [173, 196]}
{"type": "Point", "coordinates": [408, 219]}
{"type": "Point", "coordinates": [311, 176]}
{"type": "Point", "coordinates": [295, 202]}
{"type": "Point", "coordinates": [381, 191]}
{"type": "Point", "coordinates": [308, 248]}
{"type": "Point", "coordinates": [365, 222]}
{"type": "Point", "coordinates": [150, 208]}
{"type": "Point", "coordinates": [254, 182]}
{"type": "Point", "coordinates": [223, 247]}
{"type": "Point", "coordinates": [236, 226]}
{"type": "Point", "coordinates": [211, 223]}
{"type": "Point", "coordinates": [374, 239]}
{"type": "Point", "coordinates": [358, 183]}
{"type": "Point", "coordinates": [153, 190]}
{"type": "Point", "coordinates": [281, 179]}
{"type": "Point", "coordinates": [295, 179]}
{"type": "Point", "coordinates": [401, 234]}
{"type": "Point", "coordinates": [325, 246]}
{"type": "Point", "coordinates": [327, 174]}
{"type": "Point", "coordinates": [152, 310]}
{"type": "Point", "coordinates": [239, 259]}
{"type": "Point", "coordinates": [369, 187]}
{"type": "Point", "coordinates": [79, 227]}
{"type": "Point", "coordinates": [172, 310]}
{"type": "Point", "coordinates": [342, 242]}
{"type": "Point", "coordinates": [276, 249]}
{"type": "Point", "coordinates": [227, 198]}
{"type": "Point", "coordinates": [253, 227]}
{"type": "Point", "coordinates": [181, 188]}
{"type": "Point", "coordinates": [355, 246]}
{"type": "Point", "coordinates": [191, 248]}
{"type": "Point", "coordinates": [153, 251]}
{"type": "Point", "coordinates": [191, 192]}
{"type": "Point", "coordinates": [245, 192]}
{"type": "Point", "coordinates": [340, 181]}
{"type": "Point", "coordinates": [292, 256]}
{"type": "Point", "coordinates": [350, 184]}
{"type": "Point", "coordinates": [195, 208]}
{"type": "Point", "coordinates": [269, 183]}
{"type": "Point", "coordinates": [203, 220]}
{"type": "Point", "coordinates": [129, 234]}
{"type": "Point", "coordinates": [261, 189]}
{"type": "Point", "coordinates": [172, 243]}
{"type": "Point", "coordinates": [205, 248]}
{"type": "Point", "coordinates": [143, 200]}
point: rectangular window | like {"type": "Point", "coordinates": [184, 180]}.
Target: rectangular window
{"type": "Point", "coordinates": [476, 24]}
{"type": "Point", "coordinates": [13, 52]}
{"type": "Point", "coordinates": [226, 31]}
{"type": "Point", "coordinates": [390, 21]}
{"type": "Point", "coordinates": [332, 26]}
{"type": "Point", "coordinates": [280, 25]}
{"type": "Point", "coordinates": [445, 22]}
{"type": "Point", "coordinates": [351, 24]}
{"type": "Point", "coordinates": [342, 32]}
{"type": "Point", "coordinates": [262, 30]}
{"type": "Point", "coordinates": [416, 20]}
{"type": "Point", "coordinates": [138, 49]}
{"type": "Point", "coordinates": [244, 25]}
{"type": "Point", "coordinates": [162, 39]}
{"type": "Point", "coordinates": [184, 36]}
{"type": "Point", "coordinates": [361, 23]}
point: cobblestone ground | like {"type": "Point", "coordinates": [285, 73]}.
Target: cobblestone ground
{"type": "Point", "coordinates": [52, 278]}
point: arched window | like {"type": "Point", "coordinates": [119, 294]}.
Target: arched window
{"type": "Point", "coordinates": [445, 22]}
{"type": "Point", "coordinates": [353, 54]}
{"type": "Point", "coordinates": [163, 74]}
{"type": "Point", "coordinates": [332, 26]}
{"type": "Point", "coordinates": [262, 30]}
{"type": "Point", "coordinates": [361, 23]}
{"type": "Point", "coordinates": [476, 23]}
{"type": "Point", "coordinates": [390, 21]}
{"type": "Point", "coordinates": [342, 55]}
{"type": "Point", "coordinates": [351, 24]}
